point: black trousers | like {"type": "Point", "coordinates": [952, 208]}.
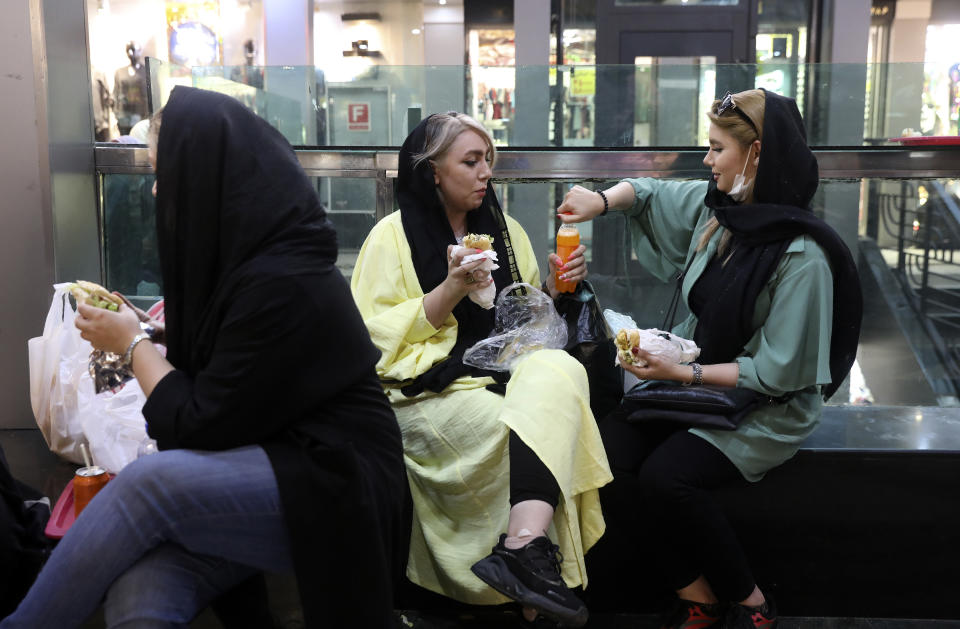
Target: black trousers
{"type": "Point", "coordinates": [529, 477]}
{"type": "Point", "coordinates": [663, 478]}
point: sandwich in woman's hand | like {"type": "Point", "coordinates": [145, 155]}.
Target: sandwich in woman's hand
{"type": "Point", "coordinates": [483, 242]}
{"type": "Point", "coordinates": [664, 345]}
{"type": "Point", "coordinates": [628, 344]}
{"type": "Point", "coordinates": [93, 294]}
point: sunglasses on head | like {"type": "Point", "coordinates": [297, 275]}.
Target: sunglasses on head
{"type": "Point", "coordinates": [727, 104]}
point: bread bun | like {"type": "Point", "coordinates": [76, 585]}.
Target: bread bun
{"type": "Point", "coordinates": [93, 294]}
{"type": "Point", "coordinates": [483, 242]}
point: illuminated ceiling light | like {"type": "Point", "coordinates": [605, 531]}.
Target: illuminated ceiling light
{"type": "Point", "coordinates": [415, 31]}
{"type": "Point", "coordinates": [442, 2]}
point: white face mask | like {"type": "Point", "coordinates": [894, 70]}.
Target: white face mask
{"type": "Point", "coordinates": [741, 185]}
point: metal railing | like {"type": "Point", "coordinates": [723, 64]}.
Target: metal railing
{"type": "Point", "coordinates": [928, 237]}
{"type": "Point", "coordinates": [550, 165]}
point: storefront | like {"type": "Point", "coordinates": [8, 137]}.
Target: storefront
{"type": "Point", "coordinates": [123, 34]}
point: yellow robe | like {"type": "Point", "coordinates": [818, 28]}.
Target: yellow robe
{"type": "Point", "coordinates": [456, 442]}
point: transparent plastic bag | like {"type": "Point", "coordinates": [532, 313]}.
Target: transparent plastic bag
{"type": "Point", "coordinates": [524, 322]}
{"type": "Point", "coordinates": [653, 341]}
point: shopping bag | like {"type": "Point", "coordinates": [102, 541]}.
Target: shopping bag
{"type": "Point", "coordinates": [112, 423]}
{"type": "Point", "coordinates": [58, 360]}
{"type": "Point", "coordinates": [67, 409]}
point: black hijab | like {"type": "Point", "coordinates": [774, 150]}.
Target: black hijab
{"type": "Point", "coordinates": [786, 180]}
{"type": "Point", "coordinates": [231, 196]}
{"type": "Point", "coordinates": [429, 233]}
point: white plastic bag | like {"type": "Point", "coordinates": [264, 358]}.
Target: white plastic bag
{"type": "Point", "coordinates": [524, 323]}
{"type": "Point", "coordinates": [653, 341]}
{"type": "Point", "coordinates": [112, 423]}
{"type": "Point", "coordinates": [58, 359]}
{"type": "Point", "coordinates": [63, 400]}
{"type": "Point", "coordinates": [665, 345]}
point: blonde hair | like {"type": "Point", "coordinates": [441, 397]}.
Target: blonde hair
{"type": "Point", "coordinates": [751, 104]}
{"type": "Point", "coordinates": [443, 129]}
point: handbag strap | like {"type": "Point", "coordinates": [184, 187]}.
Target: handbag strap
{"type": "Point", "coordinates": [677, 294]}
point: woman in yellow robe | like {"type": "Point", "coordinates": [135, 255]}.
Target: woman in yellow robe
{"type": "Point", "coordinates": [524, 463]}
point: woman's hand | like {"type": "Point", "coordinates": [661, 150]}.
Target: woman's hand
{"type": "Point", "coordinates": [465, 279]}
{"type": "Point", "coordinates": [106, 330]}
{"type": "Point", "coordinates": [574, 269]}
{"type": "Point", "coordinates": [460, 282]}
{"type": "Point", "coordinates": [580, 204]}
{"type": "Point", "coordinates": [659, 369]}
{"type": "Point", "coordinates": [159, 327]}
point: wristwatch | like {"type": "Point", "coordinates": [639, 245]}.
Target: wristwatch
{"type": "Point", "coordinates": [148, 329]}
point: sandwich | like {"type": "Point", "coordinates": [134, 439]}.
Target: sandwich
{"type": "Point", "coordinates": [628, 345]}
{"type": "Point", "coordinates": [483, 242]}
{"type": "Point", "coordinates": [94, 295]}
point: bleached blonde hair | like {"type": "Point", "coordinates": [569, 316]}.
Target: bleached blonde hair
{"type": "Point", "coordinates": [443, 129]}
{"type": "Point", "coordinates": [751, 103]}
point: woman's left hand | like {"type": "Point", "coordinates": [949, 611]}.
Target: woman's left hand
{"type": "Point", "coordinates": [573, 270]}
{"type": "Point", "coordinates": [106, 330]}
{"type": "Point", "coordinates": [659, 369]}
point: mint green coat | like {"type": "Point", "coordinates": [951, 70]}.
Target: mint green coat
{"type": "Point", "coordinates": [790, 350]}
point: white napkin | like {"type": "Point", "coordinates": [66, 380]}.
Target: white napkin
{"type": "Point", "coordinates": [485, 296]}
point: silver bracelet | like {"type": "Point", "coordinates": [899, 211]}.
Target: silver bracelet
{"type": "Point", "coordinates": [697, 375]}
{"type": "Point", "coordinates": [128, 355]}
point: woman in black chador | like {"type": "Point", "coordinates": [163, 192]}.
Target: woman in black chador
{"type": "Point", "coordinates": [279, 450]}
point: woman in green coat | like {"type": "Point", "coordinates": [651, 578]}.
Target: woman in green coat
{"type": "Point", "coordinates": [775, 307]}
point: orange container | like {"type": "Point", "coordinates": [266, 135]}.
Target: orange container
{"type": "Point", "coordinates": [86, 483]}
{"type": "Point", "coordinates": [568, 239]}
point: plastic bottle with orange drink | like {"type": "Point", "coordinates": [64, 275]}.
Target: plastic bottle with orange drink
{"type": "Point", "coordinates": [568, 239]}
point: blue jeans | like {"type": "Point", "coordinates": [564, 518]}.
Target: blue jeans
{"type": "Point", "coordinates": [166, 536]}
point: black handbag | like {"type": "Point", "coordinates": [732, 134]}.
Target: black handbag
{"type": "Point", "coordinates": [703, 406]}
{"type": "Point", "coordinates": [590, 342]}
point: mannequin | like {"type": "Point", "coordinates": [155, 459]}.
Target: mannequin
{"type": "Point", "coordinates": [102, 107]}
{"type": "Point", "coordinates": [248, 73]}
{"type": "Point", "coordinates": [130, 90]}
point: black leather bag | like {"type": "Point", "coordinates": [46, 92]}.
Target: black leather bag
{"type": "Point", "coordinates": [703, 406]}
{"type": "Point", "coordinates": [590, 342]}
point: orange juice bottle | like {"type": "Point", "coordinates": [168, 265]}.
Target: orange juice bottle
{"type": "Point", "coordinates": [568, 239]}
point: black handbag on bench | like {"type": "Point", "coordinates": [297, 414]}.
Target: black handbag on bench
{"type": "Point", "coordinates": [702, 406]}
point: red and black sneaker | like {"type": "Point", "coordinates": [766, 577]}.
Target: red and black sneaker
{"type": "Point", "coordinates": [743, 617]}
{"type": "Point", "coordinates": [692, 615]}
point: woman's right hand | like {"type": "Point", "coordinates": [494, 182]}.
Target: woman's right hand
{"type": "Point", "coordinates": [467, 278]}
{"type": "Point", "coordinates": [580, 205]}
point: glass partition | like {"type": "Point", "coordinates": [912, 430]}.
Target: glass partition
{"type": "Point", "coordinates": [655, 102]}
{"type": "Point", "coordinates": [893, 199]}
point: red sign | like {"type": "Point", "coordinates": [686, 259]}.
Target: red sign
{"type": "Point", "coordinates": [358, 116]}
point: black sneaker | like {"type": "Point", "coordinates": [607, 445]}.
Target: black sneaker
{"type": "Point", "coordinates": [693, 615]}
{"type": "Point", "coordinates": [743, 617]}
{"type": "Point", "coordinates": [531, 576]}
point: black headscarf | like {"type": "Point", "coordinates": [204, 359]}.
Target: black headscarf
{"type": "Point", "coordinates": [429, 233]}
{"type": "Point", "coordinates": [229, 190]}
{"type": "Point", "coordinates": [786, 181]}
